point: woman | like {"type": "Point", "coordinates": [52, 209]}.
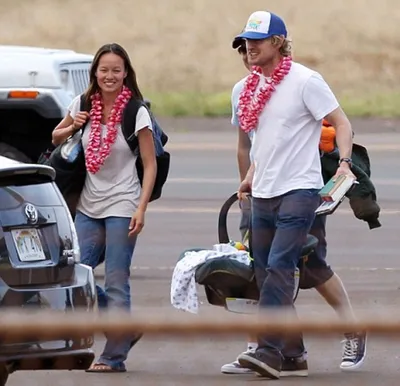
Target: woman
{"type": "Point", "coordinates": [112, 206]}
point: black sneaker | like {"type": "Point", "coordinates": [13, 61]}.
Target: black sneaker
{"type": "Point", "coordinates": [263, 363]}
{"type": "Point", "coordinates": [354, 351]}
{"type": "Point", "coordinates": [294, 367]}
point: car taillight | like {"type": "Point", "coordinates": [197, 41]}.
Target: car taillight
{"type": "Point", "coordinates": [75, 244]}
{"type": "Point", "coordinates": [23, 94]}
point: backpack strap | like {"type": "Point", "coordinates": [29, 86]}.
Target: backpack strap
{"type": "Point", "coordinates": [129, 123]}
{"type": "Point", "coordinates": [84, 106]}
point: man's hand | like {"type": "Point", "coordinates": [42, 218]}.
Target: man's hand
{"type": "Point", "coordinates": [245, 186]}
{"type": "Point", "coordinates": [244, 189]}
{"type": "Point", "coordinates": [344, 169]}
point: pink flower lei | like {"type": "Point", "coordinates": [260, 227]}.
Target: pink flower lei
{"type": "Point", "coordinates": [251, 105]}
{"type": "Point", "coordinates": [97, 152]}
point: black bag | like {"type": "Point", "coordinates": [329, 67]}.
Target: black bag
{"type": "Point", "coordinates": [68, 160]}
{"type": "Point", "coordinates": [162, 157]}
{"type": "Point", "coordinates": [163, 162]}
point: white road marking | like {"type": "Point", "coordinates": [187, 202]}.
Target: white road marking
{"type": "Point", "coordinates": [212, 146]}
{"type": "Point", "coordinates": [357, 269]}
{"type": "Point", "coordinates": [205, 210]}
{"type": "Point", "coordinates": [217, 180]}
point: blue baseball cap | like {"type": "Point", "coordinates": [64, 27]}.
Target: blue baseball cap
{"type": "Point", "coordinates": [263, 25]}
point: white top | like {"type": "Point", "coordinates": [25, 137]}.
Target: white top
{"type": "Point", "coordinates": [285, 145]}
{"type": "Point", "coordinates": [115, 189]}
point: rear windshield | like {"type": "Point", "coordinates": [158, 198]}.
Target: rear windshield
{"type": "Point", "coordinates": [42, 194]}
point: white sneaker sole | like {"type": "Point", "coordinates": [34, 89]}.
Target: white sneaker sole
{"type": "Point", "coordinates": [354, 367]}
{"type": "Point", "coordinates": [297, 373]}
{"type": "Point", "coordinates": [231, 368]}
{"type": "Point", "coordinates": [241, 371]}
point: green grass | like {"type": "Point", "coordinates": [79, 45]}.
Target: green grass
{"type": "Point", "coordinates": [218, 105]}
{"type": "Point", "coordinates": [375, 105]}
{"type": "Point", "coordinates": [190, 104]}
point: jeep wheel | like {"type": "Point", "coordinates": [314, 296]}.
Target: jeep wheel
{"type": "Point", "coordinates": [14, 154]}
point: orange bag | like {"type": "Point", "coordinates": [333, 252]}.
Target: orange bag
{"type": "Point", "coordinates": [328, 135]}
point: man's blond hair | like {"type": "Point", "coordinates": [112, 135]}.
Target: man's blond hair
{"type": "Point", "coordinates": [286, 45]}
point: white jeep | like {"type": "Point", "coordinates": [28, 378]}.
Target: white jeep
{"type": "Point", "coordinates": [36, 87]}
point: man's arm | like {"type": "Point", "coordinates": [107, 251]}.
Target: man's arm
{"type": "Point", "coordinates": [344, 134]}
{"type": "Point", "coordinates": [322, 103]}
{"type": "Point", "coordinates": [250, 173]}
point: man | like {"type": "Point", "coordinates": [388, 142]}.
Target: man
{"type": "Point", "coordinates": [318, 274]}
{"type": "Point", "coordinates": [284, 179]}
{"type": "Point", "coordinates": [240, 45]}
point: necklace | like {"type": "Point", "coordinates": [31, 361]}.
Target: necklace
{"type": "Point", "coordinates": [97, 150]}
{"type": "Point", "coordinates": [251, 104]}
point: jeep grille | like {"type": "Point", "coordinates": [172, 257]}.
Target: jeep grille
{"type": "Point", "coordinates": [80, 78]}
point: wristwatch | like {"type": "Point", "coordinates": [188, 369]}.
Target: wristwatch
{"type": "Point", "coordinates": [348, 160]}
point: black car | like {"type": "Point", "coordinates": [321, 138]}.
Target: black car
{"type": "Point", "coordinates": [40, 268]}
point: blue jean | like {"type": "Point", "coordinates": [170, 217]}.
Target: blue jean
{"type": "Point", "coordinates": [280, 226]}
{"type": "Point", "coordinates": [110, 235]}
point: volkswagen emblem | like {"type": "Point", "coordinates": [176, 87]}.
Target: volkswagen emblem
{"type": "Point", "coordinates": [31, 213]}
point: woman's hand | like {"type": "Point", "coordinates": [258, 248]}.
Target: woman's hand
{"type": "Point", "coordinates": [68, 126]}
{"type": "Point", "coordinates": [80, 119]}
{"type": "Point", "coordinates": [137, 223]}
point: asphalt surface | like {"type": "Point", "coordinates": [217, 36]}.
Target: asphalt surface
{"type": "Point", "coordinates": [203, 175]}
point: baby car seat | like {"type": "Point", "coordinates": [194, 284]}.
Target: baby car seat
{"type": "Point", "coordinates": [225, 278]}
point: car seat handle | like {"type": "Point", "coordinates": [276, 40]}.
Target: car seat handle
{"type": "Point", "coordinates": [223, 235]}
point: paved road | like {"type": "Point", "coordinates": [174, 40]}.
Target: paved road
{"type": "Point", "coordinates": [202, 176]}
{"type": "Point", "coordinates": [201, 124]}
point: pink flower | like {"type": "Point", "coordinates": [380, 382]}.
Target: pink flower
{"type": "Point", "coordinates": [250, 106]}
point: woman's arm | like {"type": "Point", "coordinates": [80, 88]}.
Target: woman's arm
{"type": "Point", "coordinates": [68, 126]}
{"type": "Point", "coordinates": [148, 156]}
{"type": "Point", "coordinates": [63, 130]}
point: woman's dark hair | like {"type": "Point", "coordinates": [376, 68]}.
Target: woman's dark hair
{"type": "Point", "coordinates": [130, 79]}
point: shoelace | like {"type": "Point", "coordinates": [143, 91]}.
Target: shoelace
{"type": "Point", "coordinates": [252, 351]}
{"type": "Point", "coordinates": [350, 348]}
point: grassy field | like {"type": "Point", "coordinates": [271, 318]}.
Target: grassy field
{"type": "Point", "coordinates": [182, 49]}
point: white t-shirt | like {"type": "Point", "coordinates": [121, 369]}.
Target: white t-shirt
{"type": "Point", "coordinates": [234, 103]}
{"type": "Point", "coordinates": [115, 189]}
{"type": "Point", "coordinates": [285, 145]}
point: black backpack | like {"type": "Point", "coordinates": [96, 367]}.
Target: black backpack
{"type": "Point", "coordinates": [160, 139]}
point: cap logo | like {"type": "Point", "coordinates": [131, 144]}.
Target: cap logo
{"type": "Point", "coordinates": [254, 24]}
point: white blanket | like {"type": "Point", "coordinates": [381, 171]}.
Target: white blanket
{"type": "Point", "coordinates": [183, 285]}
